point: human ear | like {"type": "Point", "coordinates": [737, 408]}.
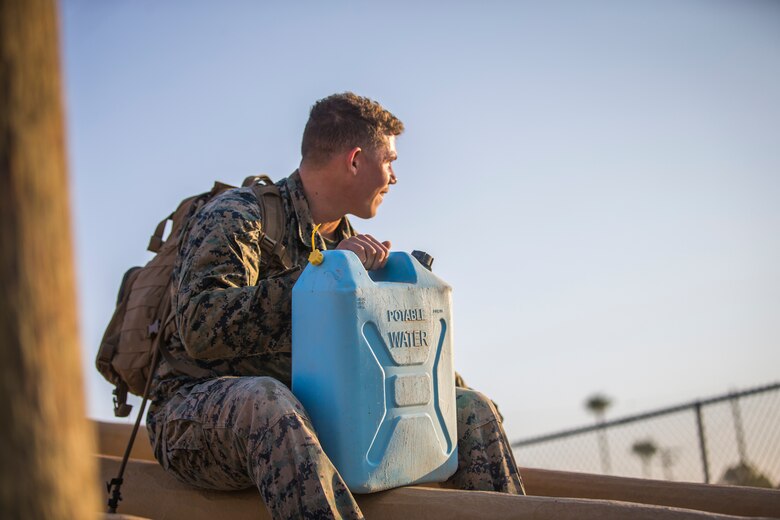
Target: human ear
{"type": "Point", "coordinates": [354, 156]}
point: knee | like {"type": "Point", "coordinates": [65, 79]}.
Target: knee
{"type": "Point", "coordinates": [242, 404]}
{"type": "Point", "coordinates": [474, 409]}
{"type": "Point", "coordinates": [269, 397]}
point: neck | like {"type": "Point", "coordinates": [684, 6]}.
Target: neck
{"type": "Point", "coordinates": [322, 194]}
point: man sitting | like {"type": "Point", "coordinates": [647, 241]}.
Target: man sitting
{"type": "Point", "coordinates": [237, 424]}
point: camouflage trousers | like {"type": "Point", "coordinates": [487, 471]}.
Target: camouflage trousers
{"type": "Point", "coordinates": [236, 432]}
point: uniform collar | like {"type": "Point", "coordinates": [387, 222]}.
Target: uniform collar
{"type": "Point", "coordinates": [303, 214]}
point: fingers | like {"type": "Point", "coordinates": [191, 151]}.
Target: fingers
{"type": "Point", "coordinates": [371, 252]}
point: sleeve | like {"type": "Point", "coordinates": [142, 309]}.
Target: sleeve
{"type": "Point", "coordinates": [225, 306]}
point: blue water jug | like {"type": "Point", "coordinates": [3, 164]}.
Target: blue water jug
{"type": "Point", "coordinates": [372, 364]}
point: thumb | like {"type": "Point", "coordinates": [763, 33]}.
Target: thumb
{"type": "Point", "coordinates": [387, 244]}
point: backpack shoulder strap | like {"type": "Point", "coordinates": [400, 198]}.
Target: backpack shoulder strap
{"type": "Point", "coordinates": [272, 214]}
{"type": "Point", "coordinates": [181, 215]}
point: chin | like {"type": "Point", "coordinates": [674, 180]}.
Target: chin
{"type": "Point", "coordinates": [366, 213]}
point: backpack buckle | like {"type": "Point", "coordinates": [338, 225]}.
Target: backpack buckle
{"type": "Point", "coordinates": [153, 329]}
{"type": "Point", "coordinates": [121, 408]}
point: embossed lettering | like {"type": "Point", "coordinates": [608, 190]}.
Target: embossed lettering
{"type": "Point", "coordinates": [405, 315]}
{"type": "Point", "coordinates": [408, 338]}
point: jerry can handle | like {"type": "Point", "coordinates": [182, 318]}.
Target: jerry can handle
{"type": "Point", "coordinates": [400, 268]}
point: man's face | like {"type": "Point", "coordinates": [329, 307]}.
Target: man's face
{"type": "Point", "coordinates": [374, 177]}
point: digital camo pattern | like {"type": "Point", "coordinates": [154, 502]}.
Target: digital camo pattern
{"type": "Point", "coordinates": [485, 460]}
{"type": "Point", "coordinates": [233, 313]}
{"type": "Point", "coordinates": [236, 432]}
{"type": "Point", "coordinates": [233, 433]}
{"type": "Point", "coordinates": [234, 317]}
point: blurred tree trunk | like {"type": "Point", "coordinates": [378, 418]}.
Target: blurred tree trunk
{"type": "Point", "coordinates": [46, 456]}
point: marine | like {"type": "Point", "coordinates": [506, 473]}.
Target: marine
{"type": "Point", "coordinates": [238, 425]}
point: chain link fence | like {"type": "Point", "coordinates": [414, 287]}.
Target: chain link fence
{"type": "Point", "coordinates": [730, 439]}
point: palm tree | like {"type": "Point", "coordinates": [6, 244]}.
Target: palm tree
{"type": "Point", "coordinates": [745, 474]}
{"type": "Point", "coordinates": [645, 450]}
{"type": "Point", "coordinates": [597, 404]}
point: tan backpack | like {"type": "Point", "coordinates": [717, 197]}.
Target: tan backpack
{"type": "Point", "coordinates": [142, 321]}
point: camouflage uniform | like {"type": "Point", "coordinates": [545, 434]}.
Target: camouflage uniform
{"type": "Point", "coordinates": [239, 425]}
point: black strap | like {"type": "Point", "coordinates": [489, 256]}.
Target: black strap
{"type": "Point", "coordinates": [114, 485]}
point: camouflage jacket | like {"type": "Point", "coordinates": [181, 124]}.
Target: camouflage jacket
{"type": "Point", "coordinates": [232, 310]}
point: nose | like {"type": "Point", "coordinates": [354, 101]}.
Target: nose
{"type": "Point", "coordinates": [393, 179]}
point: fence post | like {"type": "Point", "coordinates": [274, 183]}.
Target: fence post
{"type": "Point", "coordinates": [606, 464]}
{"type": "Point", "coordinates": [702, 443]}
{"type": "Point", "coordinates": [739, 431]}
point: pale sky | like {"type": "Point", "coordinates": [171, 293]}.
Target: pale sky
{"type": "Point", "coordinates": [598, 181]}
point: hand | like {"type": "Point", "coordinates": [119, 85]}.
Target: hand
{"type": "Point", "coordinates": [371, 252]}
